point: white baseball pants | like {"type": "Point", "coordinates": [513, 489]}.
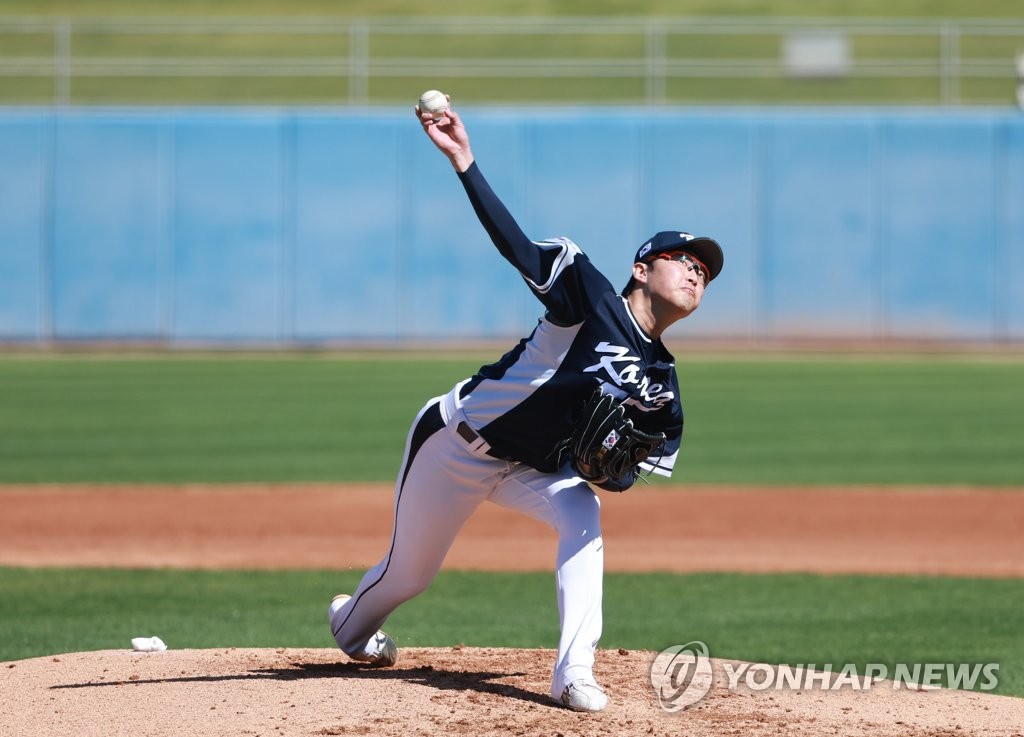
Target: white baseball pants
{"type": "Point", "coordinates": [445, 474]}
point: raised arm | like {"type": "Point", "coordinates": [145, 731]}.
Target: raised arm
{"type": "Point", "coordinates": [548, 266]}
{"type": "Point", "coordinates": [449, 135]}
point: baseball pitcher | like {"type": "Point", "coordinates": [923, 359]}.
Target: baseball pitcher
{"type": "Point", "coordinates": [588, 399]}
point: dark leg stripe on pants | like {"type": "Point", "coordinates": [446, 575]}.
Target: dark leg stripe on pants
{"type": "Point", "coordinates": [429, 423]}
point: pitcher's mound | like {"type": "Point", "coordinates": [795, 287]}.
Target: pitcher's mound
{"type": "Point", "coordinates": [470, 691]}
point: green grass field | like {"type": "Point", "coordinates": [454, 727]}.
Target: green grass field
{"type": "Point", "coordinates": [224, 418]}
{"type": "Point", "coordinates": [795, 619]}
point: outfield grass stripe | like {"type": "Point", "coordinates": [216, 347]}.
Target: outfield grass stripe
{"type": "Point", "coordinates": [797, 619]}
{"type": "Point", "coordinates": [923, 420]}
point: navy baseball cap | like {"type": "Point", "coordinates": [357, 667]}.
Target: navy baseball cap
{"type": "Point", "coordinates": [704, 249]}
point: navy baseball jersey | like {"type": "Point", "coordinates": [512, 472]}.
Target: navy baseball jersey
{"type": "Point", "coordinates": [526, 404]}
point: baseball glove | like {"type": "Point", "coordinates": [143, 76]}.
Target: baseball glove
{"type": "Point", "coordinates": [605, 446]}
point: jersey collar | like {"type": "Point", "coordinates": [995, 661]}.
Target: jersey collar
{"type": "Point", "coordinates": [643, 333]}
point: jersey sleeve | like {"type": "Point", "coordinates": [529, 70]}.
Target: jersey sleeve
{"type": "Point", "coordinates": [557, 271]}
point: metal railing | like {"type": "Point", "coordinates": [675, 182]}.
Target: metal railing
{"type": "Point", "coordinates": [652, 61]}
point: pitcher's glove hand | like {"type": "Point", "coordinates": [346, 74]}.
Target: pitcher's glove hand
{"type": "Point", "coordinates": [605, 448]}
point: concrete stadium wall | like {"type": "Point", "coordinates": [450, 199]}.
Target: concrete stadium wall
{"type": "Point", "coordinates": [293, 226]}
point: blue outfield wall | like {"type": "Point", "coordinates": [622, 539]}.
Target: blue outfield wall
{"type": "Point", "coordinates": [285, 226]}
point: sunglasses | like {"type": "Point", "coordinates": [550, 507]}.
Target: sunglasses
{"type": "Point", "coordinates": [689, 262]}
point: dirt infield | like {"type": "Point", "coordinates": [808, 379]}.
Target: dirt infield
{"type": "Point", "coordinates": [472, 691]}
{"type": "Point", "coordinates": [892, 531]}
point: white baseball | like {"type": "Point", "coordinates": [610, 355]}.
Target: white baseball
{"type": "Point", "coordinates": [434, 102]}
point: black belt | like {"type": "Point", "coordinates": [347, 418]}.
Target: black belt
{"type": "Point", "coordinates": [471, 436]}
{"type": "Point", "coordinates": [467, 433]}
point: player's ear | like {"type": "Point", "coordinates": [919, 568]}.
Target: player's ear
{"type": "Point", "coordinates": [640, 272]}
